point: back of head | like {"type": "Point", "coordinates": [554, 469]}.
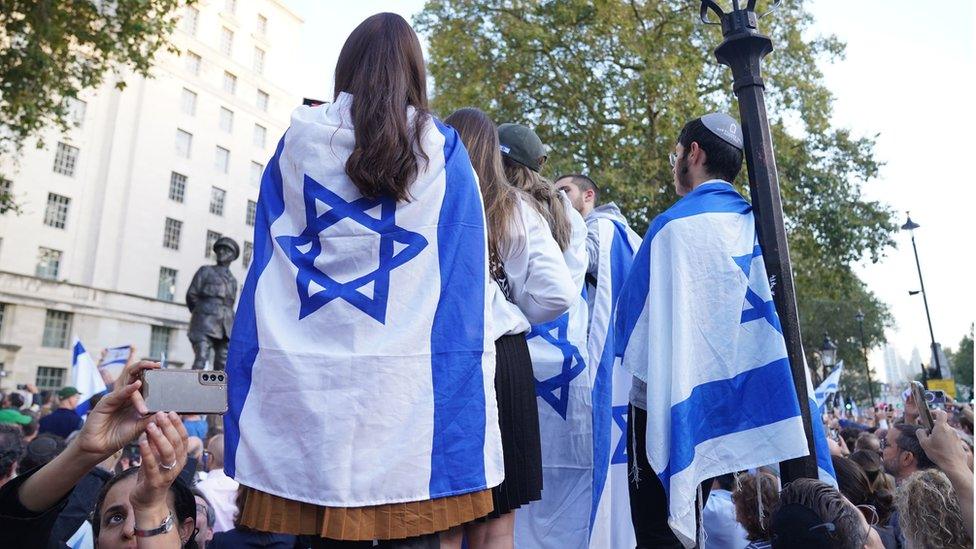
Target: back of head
{"type": "Point", "coordinates": [852, 481]}
{"type": "Point", "coordinates": [752, 512]}
{"type": "Point", "coordinates": [814, 514]}
{"type": "Point", "coordinates": [41, 450]}
{"type": "Point", "coordinates": [11, 449]}
{"type": "Point", "coordinates": [908, 442]}
{"type": "Point", "coordinates": [722, 160]}
{"type": "Point", "coordinates": [850, 434]}
{"type": "Point", "coordinates": [929, 513]}
{"type": "Point", "coordinates": [216, 448]}
{"type": "Point", "coordinates": [382, 66]}
{"type": "Point", "coordinates": [545, 199]}
{"type": "Point", "coordinates": [15, 400]}
{"type": "Point", "coordinates": [867, 441]}
{"type": "Point", "coordinates": [480, 138]}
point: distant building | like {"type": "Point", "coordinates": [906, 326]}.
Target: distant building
{"type": "Point", "coordinates": [120, 213]}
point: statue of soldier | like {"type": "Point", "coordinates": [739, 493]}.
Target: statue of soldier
{"type": "Point", "coordinates": [210, 299]}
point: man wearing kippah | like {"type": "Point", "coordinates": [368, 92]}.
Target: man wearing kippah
{"type": "Point", "coordinates": [64, 420]}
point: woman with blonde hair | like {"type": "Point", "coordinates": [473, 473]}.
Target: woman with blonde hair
{"type": "Point", "coordinates": [929, 513]}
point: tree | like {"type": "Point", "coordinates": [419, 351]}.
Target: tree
{"type": "Point", "coordinates": [608, 84]}
{"type": "Point", "coordinates": [50, 50]}
{"type": "Point", "coordinates": [961, 359]}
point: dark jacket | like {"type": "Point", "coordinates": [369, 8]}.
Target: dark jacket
{"type": "Point", "coordinates": [61, 422]}
{"type": "Point", "coordinates": [19, 526]}
{"type": "Point", "coordinates": [235, 538]}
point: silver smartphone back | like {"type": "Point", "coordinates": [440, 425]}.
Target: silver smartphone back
{"type": "Point", "coordinates": [185, 391]}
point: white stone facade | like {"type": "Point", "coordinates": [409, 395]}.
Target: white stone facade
{"type": "Point", "coordinates": [104, 205]}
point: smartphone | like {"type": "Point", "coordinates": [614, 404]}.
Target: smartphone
{"type": "Point", "coordinates": [935, 397]}
{"type": "Point", "coordinates": [185, 391]}
{"type": "Point", "coordinates": [924, 414]}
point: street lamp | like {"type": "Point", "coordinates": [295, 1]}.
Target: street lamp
{"type": "Point", "coordinates": [910, 226]}
{"type": "Point", "coordinates": [742, 50]}
{"type": "Point", "coordinates": [859, 317]}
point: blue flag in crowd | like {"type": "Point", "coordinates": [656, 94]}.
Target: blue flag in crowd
{"type": "Point", "coordinates": [828, 386]}
{"type": "Point", "coordinates": [86, 377]}
{"type": "Point", "coordinates": [697, 323]}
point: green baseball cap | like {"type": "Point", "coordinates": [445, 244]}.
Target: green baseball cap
{"type": "Point", "coordinates": [13, 416]}
{"type": "Point", "coordinates": [68, 392]}
{"type": "Point", "coordinates": [522, 145]}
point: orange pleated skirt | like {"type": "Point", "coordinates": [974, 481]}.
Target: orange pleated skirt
{"type": "Point", "coordinates": [269, 513]}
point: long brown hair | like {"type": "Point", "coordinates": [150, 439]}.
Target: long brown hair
{"type": "Point", "coordinates": [382, 66]}
{"type": "Point", "coordinates": [480, 137]}
{"type": "Point", "coordinates": [545, 198]}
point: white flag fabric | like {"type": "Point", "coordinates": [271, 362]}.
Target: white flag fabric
{"type": "Point", "coordinates": [610, 521]}
{"type": "Point", "coordinates": [825, 466]}
{"type": "Point", "coordinates": [696, 322]}
{"type": "Point", "coordinates": [359, 346]}
{"type": "Point", "coordinates": [86, 377]}
{"type": "Point", "coordinates": [828, 386]}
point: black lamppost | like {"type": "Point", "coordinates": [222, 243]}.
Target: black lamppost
{"type": "Point", "coordinates": [859, 317]}
{"type": "Point", "coordinates": [742, 50]}
{"type": "Point", "coordinates": [910, 226]}
{"type": "Point", "coordinates": [828, 355]}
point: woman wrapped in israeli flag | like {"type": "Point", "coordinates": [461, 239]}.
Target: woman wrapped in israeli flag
{"type": "Point", "coordinates": [362, 403]}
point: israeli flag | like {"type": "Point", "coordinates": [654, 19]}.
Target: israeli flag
{"type": "Point", "coordinates": [361, 338]}
{"type": "Point", "coordinates": [825, 466]}
{"type": "Point", "coordinates": [86, 377]}
{"type": "Point", "coordinates": [610, 521]}
{"type": "Point", "coordinates": [696, 322]}
{"type": "Point", "coordinates": [828, 386]}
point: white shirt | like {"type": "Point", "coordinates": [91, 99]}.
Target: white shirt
{"type": "Point", "coordinates": [539, 280]}
{"type": "Point", "coordinates": [722, 531]}
{"type": "Point", "coordinates": [221, 492]}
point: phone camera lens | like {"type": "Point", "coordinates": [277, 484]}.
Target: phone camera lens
{"type": "Point", "coordinates": [220, 377]}
{"type": "Point", "coordinates": [206, 377]}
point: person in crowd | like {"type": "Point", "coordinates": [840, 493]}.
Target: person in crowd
{"type": "Point", "coordinates": [14, 416]}
{"type": "Point", "coordinates": [850, 436]}
{"type": "Point", "coordinates": [242, 537]}
{"type": "Point", "coordinates": [942, 446]}
{"type": "Point", "coordinates": [384, 381]}
{"type": "Point", "coordinates": [41, 450]}
{"type": "Point", "coordinates": [902, 454]}
{"type": "Point", "coordinates": [219, 489]}
{"type": "Point", "coordinates": [875, 506]}
{"type": "Point", "coordinates": [64, 420]}
{"type": "Point", "coordinates": [147, 491]}
{"type": "Point", "coordinates": [870, 462]}
{"type": "Point", "coordinates": [531, 283]}
{"type": "Point", "coordinates": [719, 517]}
{"type": "Point", "coordinates": [11, 450]}
{"type": "Point", "coordinates": [812, 514]}
{"type": "Point", "coordinates": [206, 518]}
{"type": "Point", "coordinates": [930, 512]}
{"type": "Point", "coordinates": [755, 497]}
{"type": "Point", "coordinates": [31, 503]}
{"type": "Point", "coordinates": [196, 425]}
{"type": "Point", "coordinates": [867, 441]}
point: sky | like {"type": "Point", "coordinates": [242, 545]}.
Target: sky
{"type": "Point", "coordinates": [908, 76]}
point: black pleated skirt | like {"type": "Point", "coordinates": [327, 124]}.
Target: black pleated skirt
{"type": "Point", "coordinates": [518, 419]}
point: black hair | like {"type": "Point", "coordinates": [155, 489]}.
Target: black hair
{"type": "Point", "coordinates": [11, 446]}
{"type": "Point", "coordinates": [726, 481]}
{"type": "Point", "coordinates": [908, 442]}
{"type": "Point", "coordinates": [16, 400]}
{"type": "Point", "coordinates": [183, 502]}
{"type": "Point", "coordinates": [722, 160]}
{"type": "Point", "coordinates": [42, 450]}
{"type": "Point", "coordinates": [583, 182]}
{"type": "Point", "coordinates": [850, 434]}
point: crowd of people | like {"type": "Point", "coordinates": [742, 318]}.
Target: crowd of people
{"type": "Point", "coordinates": [408, 422]}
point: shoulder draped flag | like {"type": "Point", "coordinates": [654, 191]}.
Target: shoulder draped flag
{"type": "Point", "coordinates": [361, 337]}
{"type": "Point", "coordinates": [697, 323]}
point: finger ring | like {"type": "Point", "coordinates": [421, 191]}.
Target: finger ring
{"type": "Point", "coordinates": [169, 467]}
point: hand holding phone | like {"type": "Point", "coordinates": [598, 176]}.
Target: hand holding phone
{"type": "Point", "coordinates": [185, 391]}
{"type": "Point", "coordinates": [924, 412]}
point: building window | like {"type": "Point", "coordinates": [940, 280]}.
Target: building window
{"type": "Point", "coordinates": [159, 341]}
{"type": "Point", "coordinates": [193, 62]}
{"type": "Point", "coordinates": [212, 237]}
{"type": "Point", "coordinates": [226, 41]}
{"type": "Point", "coordinates": [56, 214]}
{"type": "Point", "coordinates": [217, 200]}
{"type": "Point", "coordinates": [184, 141]}
{"type": "Point", "coordinates": [167, 284]}
{"type": "Point", "coordinates": [48, 263]}
{"type": "Point", "coordinates": [171, 234]}
{"type": "Point", "coordinates": [188, 102]}
{"type": "Point", "coordinates": [230, 6]}
{"type": "Point", "coordinates": [76, 110]}
{"type": "Point", "coordinates": [230, 83]}
{"type": "Point", "coordinates": [226, 119]}
{"type": "Point", "coordinates": [247, 254]}
{"type": "Point", "coordinates": [65, 159]}
{"type": "Point", "coordinates": [3, 312]}
{"type": "Point", "coordinates": [258, 61]}
{"type": "Point", "coordinates": [262, 26]}
{"type": "Point", "coordinates": [191, 16]}
{"type": "Point", "coordinates": [262, 101]}
{"type": "Point", "coordinates": [252, 213]}
{"type": "Point", "coordinates": [257, 171]}
{"type": "Point", "coordinates": [259, 136]}
{"type": "Point", "coordinates": [222, 159]}
{"type": "Point", "coordinates": [177, 186]}
{"type": "Point", "coordinates": [49, 378]}
{"type": "Point", "coordinates": [57, 326]}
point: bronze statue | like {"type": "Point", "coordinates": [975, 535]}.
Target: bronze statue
{"type": "Point", "coordinates": [210, 299]}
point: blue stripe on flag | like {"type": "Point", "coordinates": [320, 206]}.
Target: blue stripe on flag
{"type": "Point", "coordinates": [76, 352]}
{"type": "Point", "coordinates": [752, 399]}
{"type": "Point", "coordinates": [706, 198]}
{"type": "Point", "coordinates": [85, 406]}
{"type": "Point", "coordinates": [824, 462]}
{"type": "Point", "coordinates": [458, 331]}
{"type": "Point", "coordinates": [621, 255]}
{"type": "Point", "coordinates": [244, 342]}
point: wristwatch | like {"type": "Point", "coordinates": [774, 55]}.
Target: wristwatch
{"type": "Point", "coordinates": [166, 526]}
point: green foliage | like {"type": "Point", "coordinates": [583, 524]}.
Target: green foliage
{"type": "Point", "coordinates": [50, 50]}
{"type": "Point", "coordinates": [962, 360]}
{"type": "Point", "coordinates": [608, 84]}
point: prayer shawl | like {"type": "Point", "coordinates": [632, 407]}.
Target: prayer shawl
{"type": "Point", "coordinates": [697, 323]}
{"type": "Point", "coordinates": [360, 370]}
{"type": "Point", "coordinates": [610, 521]}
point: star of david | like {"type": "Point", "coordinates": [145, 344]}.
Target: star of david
{"type": "Point", "coordinates": [369, 292]}
{"type": "Point", "coordinates": [555, 333]}
{"type": "Point", "coordinates": [758, 308]}
{"type": "Point", "coordinates": [620, 419]}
